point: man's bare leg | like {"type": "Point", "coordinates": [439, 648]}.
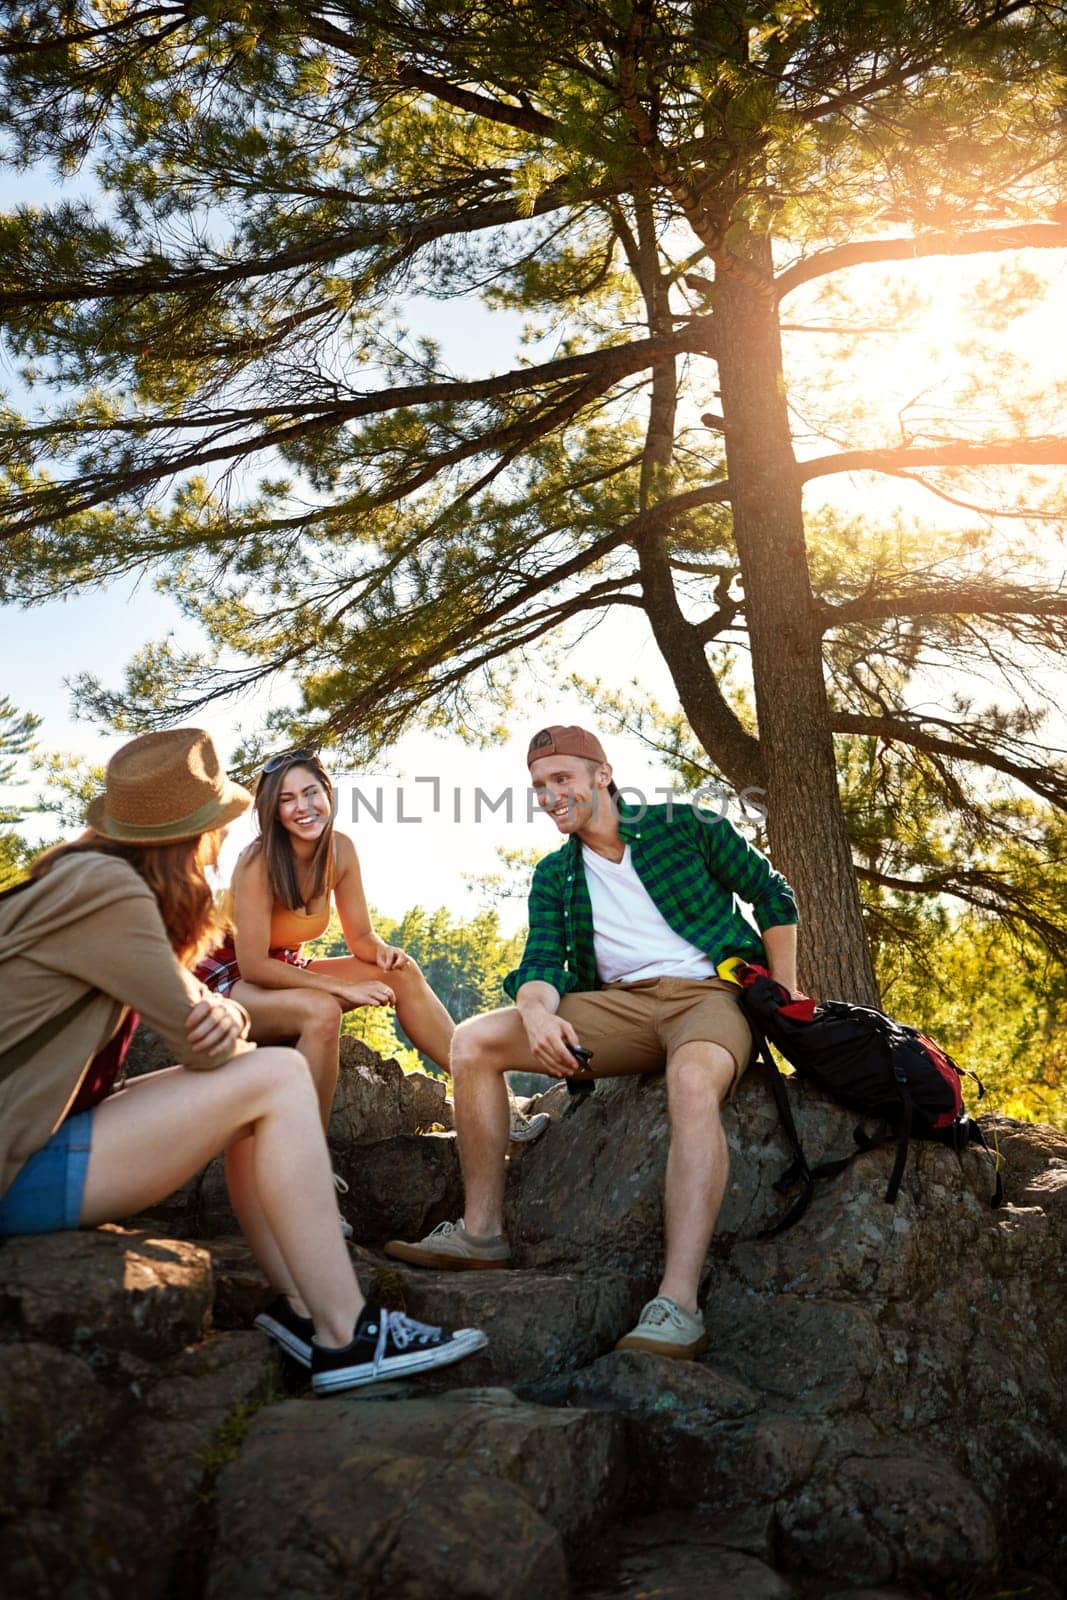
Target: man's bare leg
{"type": "Point", "coordinates": [483, 1049]}
{"type": "Point", "coordinates": [699, 1076]}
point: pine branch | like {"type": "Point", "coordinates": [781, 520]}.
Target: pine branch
{"type": "Point", "coordinates": [991, 892]}
{"type": "Point", "coordinates": [602, 369]}
{"type": "Point", "coordinates": [1050, 451]}
{"type": "Point", "coordinates": [896, 77]}
{"type": "Point", "coordinates": [1043, 779]}
{"type": "Point", "coordinates": [161, 276]}
{"type": "Point", "coordinates": [1023, 236]}
{"type": "Point", "coordinates": [527, 120]}
{"type": "Point", "coordinates": [982, 600]}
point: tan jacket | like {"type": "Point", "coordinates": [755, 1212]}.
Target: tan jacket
{"type": "Point", "coordinates": [90, 924]}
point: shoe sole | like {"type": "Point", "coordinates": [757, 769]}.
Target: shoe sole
{"type": "Point", "coordinates": [428, 1258]}
{"type": "Point", "coordinates": [290, 1342]}
{"type": "Point", "coordinates": [656, 1347]}
{"type": "Point", "coordinates": [463, 1344]}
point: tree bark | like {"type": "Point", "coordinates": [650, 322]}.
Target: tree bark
{"type": "Point", "coordinates": [734, 750]}
{"type": "Point", "coordinates": [805, 820]}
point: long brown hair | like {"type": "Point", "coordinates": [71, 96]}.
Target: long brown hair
{"type": "Point", "coordinates": [176, 875]}
{"type": "Point", "coordinates": [276, 844]}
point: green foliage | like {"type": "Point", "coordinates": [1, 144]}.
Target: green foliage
{"type": "Point", "coordinates": [70, 783]}
{"type": "Point", "coordinates": [18, 740]}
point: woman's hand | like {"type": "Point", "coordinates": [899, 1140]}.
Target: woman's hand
{"type": "Point", "coordinates": [391, 958]}
{"type": "Point", "coordinates": [373, 993]}
{"type": "Point", "coordinates": [215, 1025]}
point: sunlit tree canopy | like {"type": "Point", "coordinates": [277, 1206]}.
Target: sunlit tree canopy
{"type": "Point", "coordinates": [234, 321]}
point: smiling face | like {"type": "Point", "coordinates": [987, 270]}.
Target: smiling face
{"type": "Point", "coordinates": [573, 791]}
{"type": "Point", "coordinates": [303, 804]}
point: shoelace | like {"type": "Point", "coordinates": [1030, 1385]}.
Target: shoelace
{"type": "Point", "coordinates": [404, 1330]}
{"type": "Point", "coordinates": [441, 1229]}
{"type": "Point", "coordinates": [658, 1311]}
{"type": "Point", "coordinates": [339, 1183]}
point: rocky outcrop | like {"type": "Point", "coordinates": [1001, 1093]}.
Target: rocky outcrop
{"type": "Point", "coordinates": [879, 1414]}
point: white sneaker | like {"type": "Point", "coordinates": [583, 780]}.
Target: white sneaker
{"type": "Point", "coordinates": [664, 1329]}
{"type": "Point", "coordinates": [524, 1129]}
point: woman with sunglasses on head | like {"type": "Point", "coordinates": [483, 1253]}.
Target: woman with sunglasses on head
{"type": "Point", "coordinates": [103, 930]}
{"type": "Point", "coordinates": [283, 888]}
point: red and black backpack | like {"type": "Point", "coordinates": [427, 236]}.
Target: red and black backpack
{"type": "Point", "coordinates": [879, 1068]}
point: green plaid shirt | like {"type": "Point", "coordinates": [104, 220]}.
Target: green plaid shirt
{"type": "Point", "coordinates": [692, 866]}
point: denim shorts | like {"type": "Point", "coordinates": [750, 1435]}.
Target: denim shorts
{"type": "Point", "coordinates": [46, 1197]}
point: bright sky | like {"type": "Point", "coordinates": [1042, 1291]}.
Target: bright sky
{"type": "Point", "coordinates": [423, 862]}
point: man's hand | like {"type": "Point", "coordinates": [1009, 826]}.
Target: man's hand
{"type": "Point", "coordinates": [215, 1026]}
{"type": "Point", "coordinates": [548, 1037]}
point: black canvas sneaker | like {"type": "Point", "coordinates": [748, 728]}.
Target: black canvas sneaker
{"type": "Point", "coordinates": [280, 1322]}
{"type": "Point", "coordinates": [387, 1344]}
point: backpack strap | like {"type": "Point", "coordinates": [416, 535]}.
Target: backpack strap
{"type": "Point", "coordinates": [18, 1055]}
{"type": "Point", "coordinates": [799, 1170]}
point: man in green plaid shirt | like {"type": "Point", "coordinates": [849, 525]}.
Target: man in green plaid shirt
{"type": "Point", "coordinates": [634, 923]}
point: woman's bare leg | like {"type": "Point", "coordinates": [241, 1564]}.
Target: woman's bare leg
{"type": "Point", "coordinates": [244, 1197]}
{"type": "Point", "coordinates": [419, 1011]}
{"type": "Point", "coordinates": [162, 1128]}
{"type": "Point", "coordinates": [310, 1017]}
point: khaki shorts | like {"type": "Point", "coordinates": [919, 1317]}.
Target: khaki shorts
{"type": "Point", "coordinates": [634, 1027]}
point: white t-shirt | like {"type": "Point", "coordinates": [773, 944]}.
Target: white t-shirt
{"type": "Point", "coordinates": [631, 939]}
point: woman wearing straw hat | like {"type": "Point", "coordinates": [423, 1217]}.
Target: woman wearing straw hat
{"type": "Point", "coordinates": [108, 926]}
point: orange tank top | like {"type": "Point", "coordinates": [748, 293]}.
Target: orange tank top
{"type": "Point", "coordinates": [289, 929]}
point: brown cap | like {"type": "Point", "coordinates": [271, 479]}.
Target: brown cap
{"type": "Point", "coordinates": [164, 787]}
{"type": "Point", "coordinates": [560, 741]}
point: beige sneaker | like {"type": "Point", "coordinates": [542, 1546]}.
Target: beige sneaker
{"type": "Point", "coordinates": [453, 1249]}
{"type": "Point", "coordinates": [524, 1129]}
{"type": "Point", "coordinates": [664, 1329]}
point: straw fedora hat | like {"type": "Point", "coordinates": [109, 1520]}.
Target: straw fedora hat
{"type": "Point", "coordinates": [164, 787]}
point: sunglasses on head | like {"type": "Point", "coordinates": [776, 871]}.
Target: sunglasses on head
{"type": "Point", "coordinates": [289, 758]}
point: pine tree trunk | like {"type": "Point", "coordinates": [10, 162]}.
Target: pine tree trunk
{"type": "Point", "coordinates": [806, 824]}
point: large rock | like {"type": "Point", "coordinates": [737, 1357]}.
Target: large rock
{"type": "Point", "coordinates": [872, 1518]}
{"type": "Point", "coordinates": [111, 1290]}
{"type": "Point", "coordinates": [677, 1558]}
{"type": "Point", "coordinates": [539, 1323]}
{"type": "Point", "coordinates": [106, 1482]}
{"type": "Point", "coordinates": [400, 1187]}
{"type": "Point", "coordinates": [376, 1099]}
{"type": "Point", "coordinates": [466, 1496]}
